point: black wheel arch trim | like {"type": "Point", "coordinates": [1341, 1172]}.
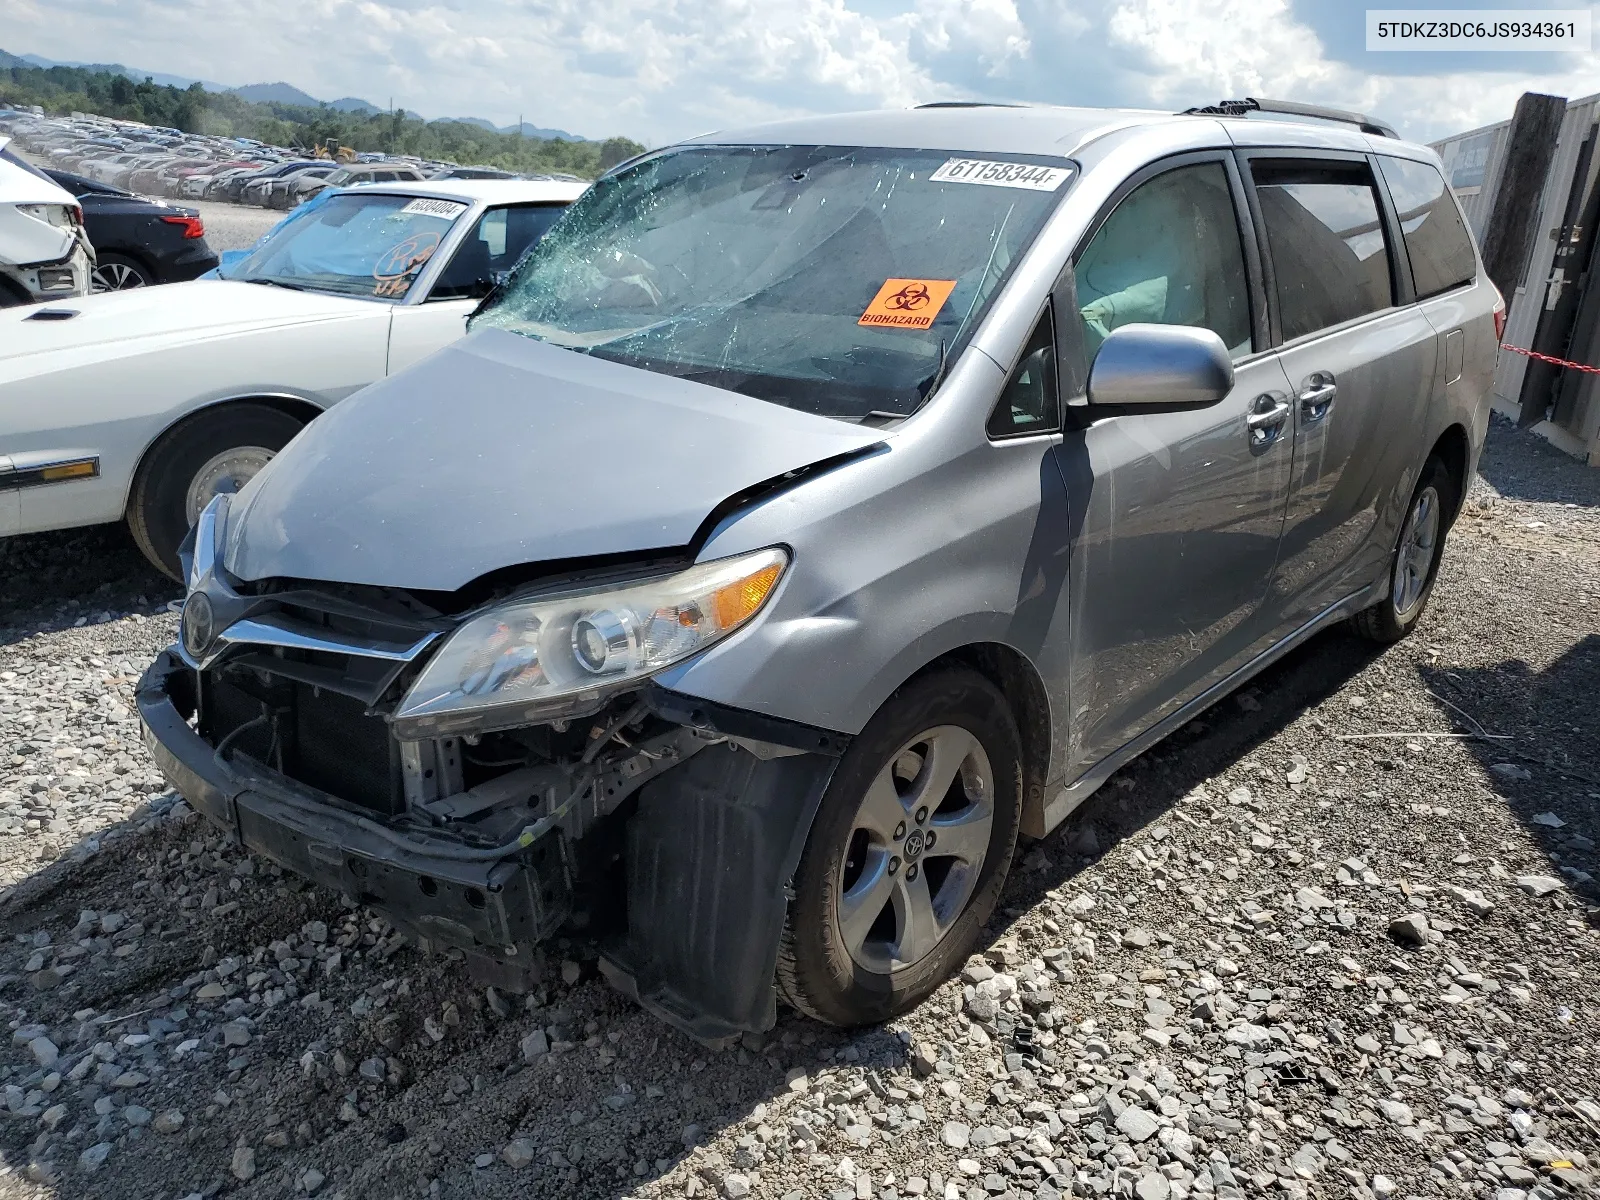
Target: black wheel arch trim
{"type": "Point", "coordinates": [708, 716]}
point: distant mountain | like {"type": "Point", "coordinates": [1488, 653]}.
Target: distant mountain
{"type": "Point", "coordinates": [529, 131]}
{"type": "Point", "coordinates": [275, 93]}
{"type": "Point", "coordinates": [535, 131]}
{"type": "Point", "coordinates": [134, 73]}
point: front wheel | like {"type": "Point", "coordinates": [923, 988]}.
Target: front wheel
{"type": "Point", "coordinates": [908, 853]}
{"type": "Point", "coordinates": [1414, 565]}
{"type": "Point", "coordinates": [215, 451]}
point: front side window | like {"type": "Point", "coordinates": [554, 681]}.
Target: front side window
{"type": "Point", "coordinates": [1029, 404]}
{"type": "Point", "coordinates": [1329, 255]}
{"type": "Point", "coordinates": [502, 236]}
{"type": "Point", "coordinates": [836, 280]}
{"type": "Point", "coordinates": [354, 243]}
{"type": "Point", "coordinates": [1168, 254]}
{"type": "Point", "coordinates": [1435, 235]}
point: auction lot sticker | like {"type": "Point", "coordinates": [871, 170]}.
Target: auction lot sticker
{"type": "Point", "coordinates": [908, 303]}
{"type": "Point", "coordinates": [427, 207]}
{"type": "Point", "coordinates": [1000, 174]}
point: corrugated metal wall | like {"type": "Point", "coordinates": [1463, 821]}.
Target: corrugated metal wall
{"type": "Point", "coordinates": [1473, 163]}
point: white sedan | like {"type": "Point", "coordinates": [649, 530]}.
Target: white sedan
{"type": "Point", "coordinates": [142, 405]}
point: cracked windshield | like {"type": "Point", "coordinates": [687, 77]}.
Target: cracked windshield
{"type": "Point", "coordinates": [836, 281]}
{"type": "Point", "coordinates": [369, 245]}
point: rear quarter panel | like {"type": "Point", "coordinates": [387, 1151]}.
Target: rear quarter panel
{"type": "Point", "coordinates": [1465, 401]}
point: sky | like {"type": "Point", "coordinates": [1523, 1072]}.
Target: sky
{"type": "Point", "coordinates": [660, 70]}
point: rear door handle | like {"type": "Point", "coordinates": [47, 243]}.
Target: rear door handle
{"type": "Point", "coordinates": [1316, 397]}
{"type": "Point", "coordinates": [1269, 415]}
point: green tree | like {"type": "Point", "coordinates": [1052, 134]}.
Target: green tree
{"type": "Point", "coordinates": [615, 150]}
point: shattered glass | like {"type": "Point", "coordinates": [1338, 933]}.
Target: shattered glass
{"type": "Point", "coordinates": [838, 281]}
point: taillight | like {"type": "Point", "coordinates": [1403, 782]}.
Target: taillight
{"type": "Point", "coordinates": [1499, 316]}
{"type": "Point", "coordinates": [193, 227]}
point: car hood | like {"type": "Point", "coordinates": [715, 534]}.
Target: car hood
{"type": "Point", "coordinates": [116, 322]}
{"type": "Point", "coordinates": [500, 450]}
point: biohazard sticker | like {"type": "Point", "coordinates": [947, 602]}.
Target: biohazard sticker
{"type": "Point", "coordinates": [908, 303]}
{"type": "Point", "coordinates": [1000, 174]}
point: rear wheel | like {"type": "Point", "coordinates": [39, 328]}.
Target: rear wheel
{"type": "Point", "coordinates": [1414, 565]}
{"type": "Point", "coordinates": [908, 853]}
{"type": "Point", "coordinates": [116, 273]}
{"type": "Point", "coordinates": [218, 450]}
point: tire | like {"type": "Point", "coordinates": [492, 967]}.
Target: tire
{"type": "Point", "coordinates": [840, 963]}
{"type": "Point", "coordinates": [118, 273]}
{"type": "Point", "coordinates": [158, 507]}
{"type": "Point", "coordinates": [1414, 562]}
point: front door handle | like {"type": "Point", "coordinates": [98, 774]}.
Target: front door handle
{"type": "Point", "coordinates": [1269, 416]}
{"type": "Point", "coordinates": [1316, 397]}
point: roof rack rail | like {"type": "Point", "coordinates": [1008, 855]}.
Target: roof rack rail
{"type": "Point", "coordinates": [966, 104]}
{"type": "Point", "coordinates": [1238, 108]}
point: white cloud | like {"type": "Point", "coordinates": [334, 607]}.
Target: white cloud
{"type": "Point", "coordinates": [664, 69]}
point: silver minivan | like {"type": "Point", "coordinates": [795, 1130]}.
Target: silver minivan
{"type": "Point", "coordinates": [818, 509]}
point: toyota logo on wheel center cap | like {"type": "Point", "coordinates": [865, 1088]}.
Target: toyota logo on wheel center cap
{"type": "Point", "coordinates": [913, 846]}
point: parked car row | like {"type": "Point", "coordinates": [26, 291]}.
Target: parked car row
{"type": "Point", "coordinates": [168, 163]}
{"type": "Point", "coordinates": [812, 511]}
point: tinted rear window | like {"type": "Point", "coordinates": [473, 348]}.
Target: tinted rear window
{"type": "Point", "coordinates": [1329, 254]}
{"type": "Point", "coordinates": [1436, 237]}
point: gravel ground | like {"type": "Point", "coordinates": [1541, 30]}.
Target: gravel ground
{"type": "Point", "coordinates": [1320, 943]}
{"type": "Point", "coordinates": [233, 226]}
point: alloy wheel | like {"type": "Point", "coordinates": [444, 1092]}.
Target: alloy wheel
{"type": "Point", "coordinates": [916, 849]}
{"type": "Point", "coordinates": [115, 277]}
{"type": "Point", "coordinates": [226, 472]}
{"type": "Point", "coordinates": [1419, 542]}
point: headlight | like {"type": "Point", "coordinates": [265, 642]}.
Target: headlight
{"type": "Point", "coordinates": [516, 661]}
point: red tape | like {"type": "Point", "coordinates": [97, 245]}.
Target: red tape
{"type": "Point", "coordinates": [1551, 359]}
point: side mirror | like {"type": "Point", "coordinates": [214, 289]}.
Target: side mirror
{"type": "Point", "coordinates": [1159, 368]}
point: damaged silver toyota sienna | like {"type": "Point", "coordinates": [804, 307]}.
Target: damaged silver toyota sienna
{"type": "Point", "coordinates": [816, 510]}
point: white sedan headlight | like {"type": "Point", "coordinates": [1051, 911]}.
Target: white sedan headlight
{"type": "Point", "coordinates": [515, 662]}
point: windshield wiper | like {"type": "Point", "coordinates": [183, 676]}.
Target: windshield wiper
{"type": "Point", "coordinates": [293, 287]}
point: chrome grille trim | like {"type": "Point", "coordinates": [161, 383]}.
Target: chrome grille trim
{"type": "Point", "coordinates": [275, 632]}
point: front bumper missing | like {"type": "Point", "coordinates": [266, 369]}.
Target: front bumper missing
{"type": "Point", "coordinates": [495, 912]}
{"type": "Point", "coordinates": [712, 846]}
